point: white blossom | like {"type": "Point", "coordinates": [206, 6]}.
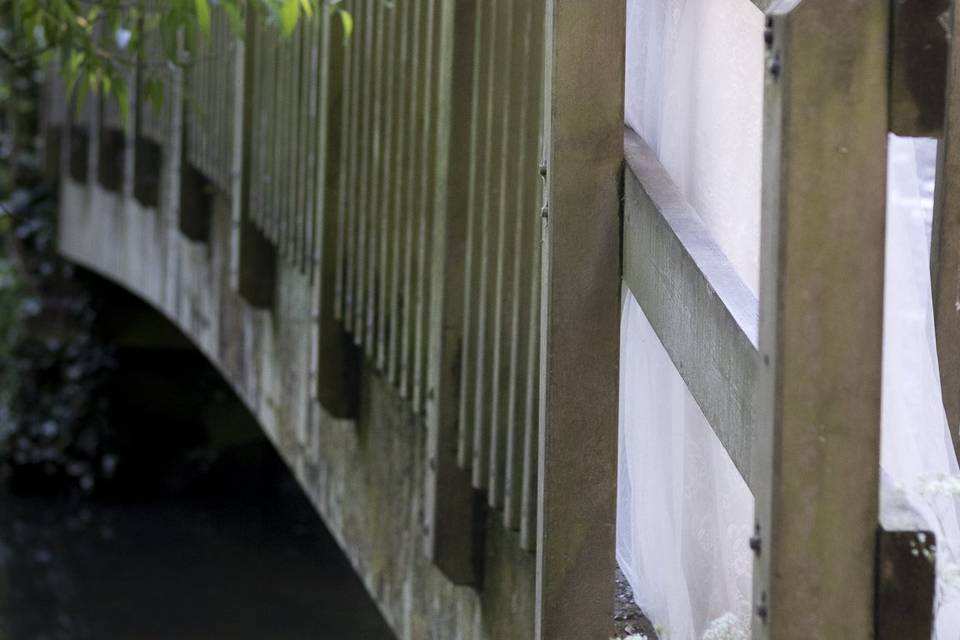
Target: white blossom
{"type": "Point", "coordinates": [726, 627]}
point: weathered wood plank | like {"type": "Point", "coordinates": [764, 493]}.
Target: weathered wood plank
{"type": "Point", "coordinates": [945, 246]}
{"type": "Point", "coordinates": [703, 313]}
{"type": "Point", "coordinates": [580, 320]}
{"type": "Point", "coordinates": [816, 471]}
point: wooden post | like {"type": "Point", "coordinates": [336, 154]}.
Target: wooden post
{"type": "Point", "coordinates": [945, 247]}
{"type": "Point", "coordinates": [821, 295]}
{"type": "Point", "coordinates": [580, 319]}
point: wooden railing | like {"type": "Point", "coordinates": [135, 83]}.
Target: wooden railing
{"type": "Point", "coordinates": [444, 182]}
{"type": "Point", "coordinates": [790, 383]}
{"type": "Point", "coordinates": [454, 230]}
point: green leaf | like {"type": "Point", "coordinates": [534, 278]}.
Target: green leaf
{"type": "Point", "coordinates": [203, 15]}
{"type": "Point", "coordinates": [347, 21]}
{"type": "Point", "coordinates": [233, 14]}
{"type": "Point", "coordinates": [123, 101]}
{"type": "Point", "coordinates": [153, 93]}
{"type": "Point", "coordinates": [289, 15]}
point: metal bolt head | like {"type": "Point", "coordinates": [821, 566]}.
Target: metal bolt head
{"type": "Point", "coordinates": [775, 65]}
{"type": "Point", "coordinates": [755, 540]}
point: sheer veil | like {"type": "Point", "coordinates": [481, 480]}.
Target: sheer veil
{"type": "Point", "coordinates": [694, 93]}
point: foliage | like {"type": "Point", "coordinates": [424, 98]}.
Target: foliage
{"type": "Point", "coordinates": [53, 367]}
{"type": "Point", "coordinates": [95, 44]}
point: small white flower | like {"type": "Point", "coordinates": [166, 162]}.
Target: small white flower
{"type": "Point", "coordinates": [726, 627]}
{"type": "Point", "coordinates": [123, 36]}
{"type": "Point", "coordinates": [940, 485]}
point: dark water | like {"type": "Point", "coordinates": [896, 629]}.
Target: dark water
{"type": "Point", "coordinates": [239, 554]}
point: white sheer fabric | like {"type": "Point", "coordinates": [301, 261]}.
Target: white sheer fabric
{"type": "Point", "coordinates": [685, 513]}
{"type": "Point", "coordinates": [919, 487]}
{"type": "Point", "coordinates": [694, 92]}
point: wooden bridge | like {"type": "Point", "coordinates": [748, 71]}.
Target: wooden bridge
{"type": "Point", "coordinates": [405, 248]}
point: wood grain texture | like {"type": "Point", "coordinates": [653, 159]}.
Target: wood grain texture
{"type": "Point", "coordinates": [816, 470]}
{"type": "Point", "coordinates": [580, 319]}
{"type": "Point", "coordinates": [703, 313]}
{"type": "Point", "coordinates": [945, 246]}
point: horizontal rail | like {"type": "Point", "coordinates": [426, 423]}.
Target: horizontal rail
{"type": "Point", "coordinates": [703, 313]}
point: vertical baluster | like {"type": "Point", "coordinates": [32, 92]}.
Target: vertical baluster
{"type": "Point", "coordinates": [310, 192]}
{"type": "Point", "coordinates": [367, 33]}
{"type": "Point", "coordinates": [451, 519]}
{"type": "Point", "coordinates": [284, 130]}
{"type": "Point", "coordinates": [427, 182]}
{"type": "Point", "coordinates": [468, 350]}
{"type": "Point", "coordinates": [316, 146]}
{"type": "Point", "coordinates": [283, 148]}
{"type": "Point", "coordinates": [390, 126]}
{"type": "Point", "coordinates": [531, 414]}
{"type": "Point", "coordinates": [334, 384]}
{"type": "Point", "coordinates": [376, 169]}
{"type": "Point", "coordinates": [486, 265]}
{"type": "Point", "coordinates": [353, 211]}
{"type": "Point", "coordinates": [299, 136]}
{"type": "Point", "coordinates": [205, 108]}
{"type": "Point", "coordinates": [272, 118]}
{"type": "Point", "coordinates": [411, 217]}
{"type": "Point", "coordinates": [222, 110]}
{"type": "Point", "coordinates": [523, 379]}
{"type": "Point", "coordinates": [256, 96]}
{"type": "Point", "coordinates": [394, 359]}
{"type": "Point", "coordinates": [231, 100]}
{"type": "Point", "coordinates": [342, 158]}
{"type": "Point", "coordinates": [195, 100]}
{"type": "Point", "coordinates": [506, 247]}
